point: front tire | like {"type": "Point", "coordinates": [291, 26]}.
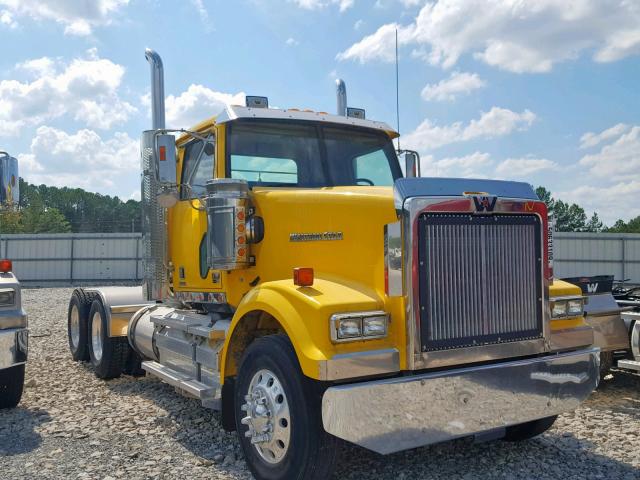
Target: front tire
{"type": "Point", "coordinates": [108, 354]}
{"type": "Point", "coordinates": [525, 431]}
{"type": "Point", "coordinates": [278, 415]}
{"type": "Point", "coordinates": [11, 386]}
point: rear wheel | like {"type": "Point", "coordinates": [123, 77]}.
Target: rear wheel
{"type": "Point", "coordinates": [11, 385]}
{"type": "Point", "coordinates": [525, 431]}
{"type": "Point", "coordinates": [108, 354]}
{"type": "Point", "coordinates": [77, 320]}
{"type": "Point", "coordinates": [278, 417]}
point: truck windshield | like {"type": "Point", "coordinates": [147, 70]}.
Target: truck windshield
{"type": "Point", "coordinates": [267, 153]}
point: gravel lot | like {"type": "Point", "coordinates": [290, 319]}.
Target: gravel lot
{"type": "Point", "coordinates": [72, 425]}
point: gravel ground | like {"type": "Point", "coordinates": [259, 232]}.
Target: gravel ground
{"type": "Point", "coordinates": [72, 425]}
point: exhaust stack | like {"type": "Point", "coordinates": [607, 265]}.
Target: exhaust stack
{"type": "Point", "coordinates": [341, 96]}
{"type": "Point", "coordinates": [157, 89]}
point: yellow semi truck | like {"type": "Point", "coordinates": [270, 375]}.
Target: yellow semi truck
{"type": "Point", "coordinates": [297, 281]}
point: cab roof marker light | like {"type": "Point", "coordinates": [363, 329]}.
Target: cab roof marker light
{"type": "Point", "coordinates": [256, 102]}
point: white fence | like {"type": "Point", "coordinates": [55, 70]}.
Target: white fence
{"type": "Point", "coordinates": [72, 259]}
{"type": "Point", "coordinates": [617, 254]}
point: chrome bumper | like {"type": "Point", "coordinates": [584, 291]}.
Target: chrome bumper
{"type": "Point", "coordinates": [397, 414]}
{"type": "Point", "coordinates": [13, 347]}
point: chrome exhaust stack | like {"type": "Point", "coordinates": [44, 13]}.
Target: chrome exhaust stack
{"type": "Point", "coordinates": [158, 189]}
{"type": "Point", "coordinates": [157, 89]}
{"type": "Point", "coordinates": [341, 97]}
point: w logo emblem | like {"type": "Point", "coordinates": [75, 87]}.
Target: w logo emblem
{"type": "Point", "coordinates": [592, 287]}
{"type": "Point", "coordinates": [485, 204]}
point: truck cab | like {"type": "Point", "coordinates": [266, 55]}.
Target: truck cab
{"type": "Point", "coordinates": [13, 319]}
{"type": "Point", "coordinates": [298, 281]}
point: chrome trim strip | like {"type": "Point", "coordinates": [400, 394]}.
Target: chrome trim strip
{"type": "Point", "coordinates": [571, 338]}
{"type": "Point", "coordinates": [393, 258]}
{"type": "Point", "coordinates": [406, 412]}
{"type": "Point", "coordinates": [14, 347]}
{"type": "Point", "coordinates": [201, 297]}
{"type": "Point", "coordinates": [360, 364]}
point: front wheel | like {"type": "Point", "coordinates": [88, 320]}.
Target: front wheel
{"type": "Point", "coordinates": [525, 431]}
{"type": "Point", "coordinates": [278, 415]}
{"type": "Point", "coordinates": [11, 385]}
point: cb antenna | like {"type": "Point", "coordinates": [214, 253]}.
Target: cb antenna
{"type": "Point", "coordinates": [397, 91]}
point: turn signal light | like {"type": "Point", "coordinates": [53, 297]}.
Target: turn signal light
{"type": "Point", "coordinates": [303, 277]}
{"type": "Point", "coordinates": [7, 266]}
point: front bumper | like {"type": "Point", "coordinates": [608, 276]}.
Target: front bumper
{"type": "Point", "coordinates": [396, 414]}
{"type": "Point", "coordinates": [14, 345]}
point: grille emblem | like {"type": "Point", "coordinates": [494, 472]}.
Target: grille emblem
{"type": "Point", "coordinates": [485, 204]}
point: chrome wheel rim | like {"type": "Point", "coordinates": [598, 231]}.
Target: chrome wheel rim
{"type": "Point", "coordinates": [74, 327]}
{"type": "Point", "coordinates": [268, 418]}
{"type": "Point", "coordinates": [96, 336]}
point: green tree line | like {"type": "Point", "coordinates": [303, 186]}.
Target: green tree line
{"type": "Point", "coordinates": [573, 218]}
{"type": "Point", "coordinates": [44, 209]}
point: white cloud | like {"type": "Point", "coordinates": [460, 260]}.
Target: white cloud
{"type": "Point", "coordinates": [523, 167]}
{"type": "Point", "coordinates": [619, 160]}
{"type": "Point", "coordinates": [292, 42]}
{"type": "Point", "coordinates": [377, 46]}
{"type": "Point", "coordinates": [448, 89]}
{"type": "Point", "coordinates": [197, 103]}
{"type": "Point", "coordinates": [6, 18]}
{"type": "Point", "coordinates": [358, 24]}
{"type": "Point", "coordinates": [82, 159]}
{"type": "Point", "coordinates": [494, 123]}
{"type": "Point", "coordinates": [512, 35]}
{"type": "Point", "coordinates": [86, 89]}
{"type": "Point", "coordinates": [473, 165]}
{"type": "Point", "coordinates": [318, 4]}
{"type": "Point", "coordinates": [591, 139]}
{"type": "Point", "coordinates": [78, 17]}
{"type": "Point", "coordinates": [606, 199]}
{"type": "Point", "coordinates": [201, 9]}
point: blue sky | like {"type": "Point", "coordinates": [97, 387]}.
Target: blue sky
{"type": "Point", "coordinates": [544, 91]}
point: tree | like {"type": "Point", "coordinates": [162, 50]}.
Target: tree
{"type": "Point", "coordinates": [85, 211]}
{"type": "Point", "coordinates": [632, 226]}
{"type": "Point", "coordinates": [33, 219]}
{"type": "Point", "coordinates": [569, 217]}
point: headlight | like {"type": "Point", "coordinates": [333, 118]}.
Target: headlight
{"type": "Point", "coordinates": [374, 326]}
{"type": "Point", "coordinates": [567, 307]}
{"type": "Point", "coordinates": [7, 297]}
{"type": "Point", "coordinates": [347, 327]}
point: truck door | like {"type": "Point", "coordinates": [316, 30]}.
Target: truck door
{"type": "Point", "coordinates": [188, 222]}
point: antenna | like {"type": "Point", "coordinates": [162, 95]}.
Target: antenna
{"type": "Point", "coordinates": [397, 91]}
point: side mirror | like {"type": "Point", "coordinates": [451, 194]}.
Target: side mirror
{"type": "Point", "coordinates": [412, 164]}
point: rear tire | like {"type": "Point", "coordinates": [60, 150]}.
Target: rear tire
{"type": "Point", "coordinates": [525, 431]}
{"type": "Point", "coordinates": [11, 386]}
{"type": "Point", "coordinates": [77, 324]}
{"type": "Point", "coordinates": [108, 354]}
{"type": "Point", "coordinates": [273, 395]}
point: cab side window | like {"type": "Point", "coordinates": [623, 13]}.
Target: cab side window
{"type": "Point", "coordinates": [197, 168]}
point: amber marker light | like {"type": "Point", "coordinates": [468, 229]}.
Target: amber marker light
{"type": "Point", "coordinates": [303, 276]}
{"type": "Point", "coordinates": [163, 153]}
{"type": "Point", "coordinates": [5, 266]}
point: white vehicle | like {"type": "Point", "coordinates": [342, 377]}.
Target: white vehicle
{"type": "Point", "coordinates": [13, 320]}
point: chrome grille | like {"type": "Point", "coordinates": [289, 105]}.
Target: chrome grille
{"type": "Point", "coordinates": [480, 279]}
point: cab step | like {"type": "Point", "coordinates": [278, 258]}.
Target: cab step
{"type": "Point", "coordinates": [629, 365]}
{"type": "Point", "coordinates": [209, 395]}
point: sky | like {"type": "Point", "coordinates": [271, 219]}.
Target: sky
{"type": "Point", "coordinates": [542, 91]}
